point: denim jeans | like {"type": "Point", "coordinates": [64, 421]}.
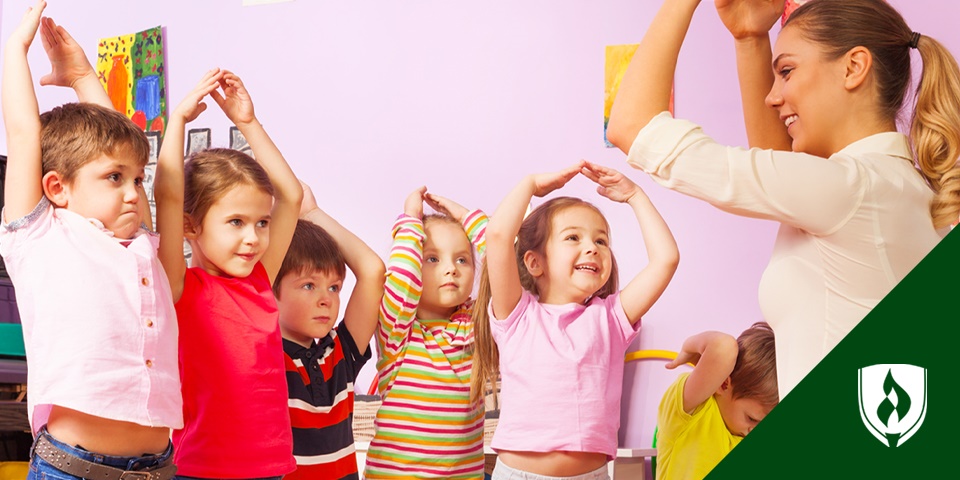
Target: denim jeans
{"type": "Point", "coordinates": [40, 469]}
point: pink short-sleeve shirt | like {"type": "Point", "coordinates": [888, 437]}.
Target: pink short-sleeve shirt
{"type": "Point", "coordinates": [561, 370]}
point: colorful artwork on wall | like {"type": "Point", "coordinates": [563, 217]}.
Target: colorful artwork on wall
{"type": "Point", "coordinates": [790, 6]}
{"type": "Point", "coordinates": [131, 69]}
{"type": "Point", "coordinates": [617, 60]}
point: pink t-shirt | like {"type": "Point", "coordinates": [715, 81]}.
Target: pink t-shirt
{"type": "Point", "coordinates": [561, 369]}
{"type": "Point", "coordinates": [98, 320]}
{"type": "Point", "coordinates": [236, 423]}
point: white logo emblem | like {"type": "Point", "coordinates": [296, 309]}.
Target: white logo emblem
{"type": "Point", "coordinates": [893, 401]}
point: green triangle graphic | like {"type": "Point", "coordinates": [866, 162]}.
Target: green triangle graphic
{"type": "Point", "coordinates": [817, 432]}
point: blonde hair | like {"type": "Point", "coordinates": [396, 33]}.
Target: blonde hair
{"type": "Point", "coordinates": [840, 25]}
{"type": "Point", "coordinates": [74, 134]}
{"type": "Point", "coordinates": [210, 174]}
{"type": "Point", "coordinates": [534, 233]}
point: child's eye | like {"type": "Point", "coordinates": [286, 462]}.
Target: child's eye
{"type": "Point", "coordinates": [462, 261]}
{"type": "Point", "coordinates": [138, 181]}
{"type": "Point", "coordinates": [572, 237]}
{"type": "Point", "coordinates": [263, 223]}
{"type": "Point", "coordinates": [335, 288]}
{"type": "Point", "coordinates": [784, 72]}
{"type": "Point", "coordinates": [308, 286]}
{"type": "Point", "coordinates": [431, 259]}
{"type": "Point", "coordinates": [235, 222]}
{"type": "Point", "coordinates": [602, 242]}
{"type": "Point", "coordinates": [114, 177]}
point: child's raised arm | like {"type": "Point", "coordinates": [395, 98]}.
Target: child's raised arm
{"type": "Point", "coordinates": [714, 354]}
{"type": "Point", "coordinates": [645, 288]}
{"type": "Point", "coordinates": [645, 89]}
{"type": "Point", "coordinates": [168, 186]}
{"type": "Point", "coordinates": [69, 66]}
{"type": "Point", "coordinates": [750, 21]}
{"type": "Point", "coordinates": [502, 269]}
{"type": "Point", "coordinates": [288, 194]}
{"type": "Point", "coordinates": [363, 308]}
{"type": "Point", "coordinates": [21, 115]}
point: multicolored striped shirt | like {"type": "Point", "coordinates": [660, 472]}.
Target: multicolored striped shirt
{"type": "Point", "coordinates": [427, 427]}
{"type": "Point", "coordinates": [320, 388]}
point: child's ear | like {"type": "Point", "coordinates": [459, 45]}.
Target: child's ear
{"type": "Point", "coordinates": [726, 387]}
{"type": "Point", "coordinates": [55, 189]}
{"type": "Point", "coordinates": [190, 230]}
{"type": "Point", "coordinates": [533, 263]}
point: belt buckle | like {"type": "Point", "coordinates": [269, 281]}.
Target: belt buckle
{"type": "Point", "coordinates": [130, 475]}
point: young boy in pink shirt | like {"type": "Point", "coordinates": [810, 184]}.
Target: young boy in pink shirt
{"type": "Point", "coordinates": [98, 319]}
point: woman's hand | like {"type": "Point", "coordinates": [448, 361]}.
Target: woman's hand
{"type": "Point", "coordinates": [749, 18]}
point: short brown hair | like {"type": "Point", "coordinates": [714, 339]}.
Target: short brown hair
{"type": "Point", "coordinates": [210, 174]}
{"type": "Point", "coordinates": [74, 134]}
{"type": "Point", "coordinates": [755, 374]}
{"type": "Point", "coordinates": [311, 249]}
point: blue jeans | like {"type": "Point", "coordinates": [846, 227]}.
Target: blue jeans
{"type": "Point", "coordinates": [40, 469]}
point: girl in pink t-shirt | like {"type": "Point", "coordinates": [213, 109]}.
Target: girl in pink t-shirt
{"type": "Point", "coordinates": [560, 324]}
{"type": "Point", "coordinates": [238, 215]}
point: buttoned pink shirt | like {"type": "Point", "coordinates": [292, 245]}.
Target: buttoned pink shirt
{"type": "Point", "coordinates": [98, 320]}
{"type": "Point", "coordinates": [561, 370]}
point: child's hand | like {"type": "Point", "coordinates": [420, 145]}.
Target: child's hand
{"type": "Point", "coordinates": [682, 358]}
{"type": "Point", "coordinates": [544, 183]}
{"type": "Point", "coordinates": [445, 206]}
{"type": "Point", "coordinates": [24, 33]}
{"type": "Point", "coordinates": [749, 18]}
{"type": "Point", "coordinates": [235, 100]}
{"type": "Point", "coordinates": [612, 184]}
{"type": "Point", "coordinates": [309, 202]}
{"type": "Point", "coordinates": [68, 63]}
{"type": "Point", "coordinates": [413, 205]}
{"type": "Point", "coordinates": [192, 106]}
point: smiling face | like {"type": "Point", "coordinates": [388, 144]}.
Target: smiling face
{"type": "Point", "coordinates": [309, 303]}
{"type": "Point", "coordinates": [234, 233]}
{"type": "Point", "coordinates": [448, 269]}
{"type": "Point", "coordinates": [809, 94]}
{"type": "Point", "coordinates": [578, 261]}
{"type": "Point", "coordinates": [106, 189]}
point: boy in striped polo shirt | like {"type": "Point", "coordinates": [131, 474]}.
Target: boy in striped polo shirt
{"type": "Point", "coordinates": [323, 360]}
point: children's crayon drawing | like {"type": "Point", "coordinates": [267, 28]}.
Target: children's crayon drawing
{"type": "Point", "coordinates": [131, 69]}
{"type": "Point", "coordinates": [617, 60]}
{"type": "Point", "coordinates": [197, 139]}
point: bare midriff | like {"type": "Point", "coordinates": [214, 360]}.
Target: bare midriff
{"type": "Point", "coordinates": [105, 436]}
{"type": "Point", "coordinates": [553, 464]}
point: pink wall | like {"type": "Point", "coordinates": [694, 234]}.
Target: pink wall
{"type": "Point", "coordinates": [369, 99]}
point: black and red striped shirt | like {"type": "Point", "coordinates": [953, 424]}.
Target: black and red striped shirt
{"type": "Point", "coordinates": [320, 389]}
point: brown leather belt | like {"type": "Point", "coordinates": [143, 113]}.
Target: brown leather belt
{"type": "Point", "coordinates": [78, 467]}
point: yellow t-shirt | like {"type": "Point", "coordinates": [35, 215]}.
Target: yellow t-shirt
{"type": "Point", "coordinates": [690, 445]}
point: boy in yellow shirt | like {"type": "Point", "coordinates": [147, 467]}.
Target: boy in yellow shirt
{"type": "Point", "coordinates": [705, 413]}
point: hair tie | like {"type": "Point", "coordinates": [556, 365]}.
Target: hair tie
{"type": "Point", "coordinates": [915, 40]}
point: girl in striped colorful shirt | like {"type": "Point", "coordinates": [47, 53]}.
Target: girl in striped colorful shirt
{"type": "Point", "coordinates": [428, 426]}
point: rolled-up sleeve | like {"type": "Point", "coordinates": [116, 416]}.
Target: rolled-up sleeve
{"type": "Point", "coordinates": [805, 191]}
